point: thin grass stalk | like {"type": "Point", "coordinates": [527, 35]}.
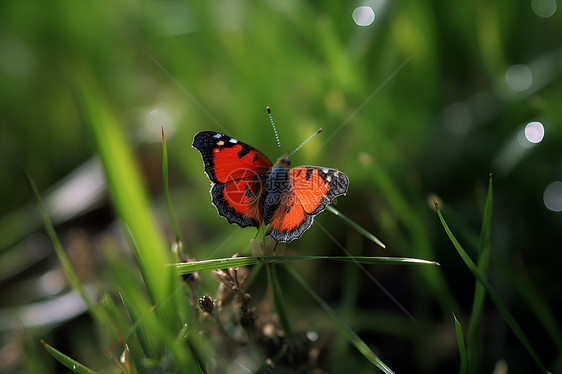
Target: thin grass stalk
{"type": "Point", "coordinates": [71, 275]}
{"type": "Point", "coordinates": [131, 204]}
{"type": "Point", "coordinates": [342, 326]}
{"type": "Point", "coordinates": [232, 262]}
{"type": "Point", "coordinates": [462, 348]}
{"type": "Point", "coordinates": [419, 236]}
{"type": "Point", "coordinates": [355, 226]}
{"type": "Point", "coordinates": [175, 227]}
{"type": "Point", "coordinates": [61, 254]}
{"type": "Point", "coordinates": [279, 302]}
{"type": "Point", "coordinates": [500, 306]}
{"type": "Point", "coordinates": [479, 291]}
{"type": "Point", "coordinates": [126, 187]}
{"type": "Point", "coordinates": [73, 365]}
{"type": "Point", "coordinates": [518, 281]}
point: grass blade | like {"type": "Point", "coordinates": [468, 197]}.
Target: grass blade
{"type": "Point", "coordinates": [479, 291]}
{"type": "Point", "coordinates": [418, 232]}
{"type": "Point", "coordinates": [177, 232]}
{"type": "Point", "coordinates": [502, 309]}
{"type": "Point", "coordinates": [126, 187]}
{"type": "Point", "coordinates": [354, 225]}
{"type": "Point", "coordinates": [63, 258]}
{"type": "Point", "coordinates": [346, 331]}
{"type": "Point", "coordinates": [223, 263]}
{"type": "Point", "coordinates": [536, 303]}
{"type": "Point", "coordinates": [70, 363]}
{"type": "Point", "coordinates": [462, 348]}
{"type": "Point", "coordinates": [279, 303]}
{"type": "Point", "coordinates": [100, 316]}
{"type": "Point", "coordinates": [518, 281]}
{"type": "Point", "coordinates": [131, 203]}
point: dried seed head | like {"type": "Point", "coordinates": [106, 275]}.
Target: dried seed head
{"type": "Point", "coordinates": [206, 304]}
{"type": "Point", "coordinates": [221, 275]}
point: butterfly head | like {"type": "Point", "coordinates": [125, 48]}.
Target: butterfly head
{"type": "Point", "coordinates": [284, 160]}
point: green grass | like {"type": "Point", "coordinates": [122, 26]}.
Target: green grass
{"type": "Point", "coordinates": [418, 104]}
{"type": "Point", "coordinates": [502, 309]}
{"type": "Point", "coordinates": [144, 331]}
{"type": "Point", "coordinates": [148, 327]}
{"type": "Point", "coordinates": [73, 365]}
{"type": "Point", "coordinates": [144, 325]}
{"type": "Point", "coordinates": [464, 367]}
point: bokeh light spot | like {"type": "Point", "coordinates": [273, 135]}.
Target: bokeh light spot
{"type": "Point", "coordinates": [544, 8]}
{"type": "Point", "coordinates": [312, 336]}
{"type": "Point", "coordinates": [52, 282]}
{"type": "Point", "coordinates": [519, 77]}
{"type": "Point", "coordinates": [363, 16]}
{"type": "Point", "coordinates": [534, 132]}
{"type": "Point", "coordinates": [552, 196]}
{"type": "Point", "coordinates": [153, 123]}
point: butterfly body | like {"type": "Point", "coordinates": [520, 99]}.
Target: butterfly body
{"type": "Point", "coordinates": [278, 188]}
{"type": "Point", "coordinates": [249, 190]}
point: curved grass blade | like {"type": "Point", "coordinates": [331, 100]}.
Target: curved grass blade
{"type": "Point", "coordinates": [346, 331]}
{"type": "Point", "coordinates": [462, 348]}
{"type": "Point", "coordinates": [222, 263]}
{"type": "Point", "coordinates": [519, 282]}
{"type": "Point", "coordinates": [279, 303]}
{"type": "Point", "coordinates": [417, 231]}
{"type": "Point", "coordinates": [127, 189]}
{"type": "Point", "coordinates": [177, 232]}
{"type": "Point", "coordinates": [101, 317]}
{"type": "Point", "coordinates": [532, 296]}
{"type": "Point", "coordinates": [354, 225]}
{"type": "Point", "coordinates": [131, 203]}
{"type": "Point", "coordinates": [479, 291]}
{"type": "Point", "coordinates": [63, 258]}
{"type": "Point", "coordinates": [70, 363]}
{"type": "Point", "coordinates": [502, 309]}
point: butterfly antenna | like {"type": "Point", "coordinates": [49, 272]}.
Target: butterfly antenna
{"type": "Point", "coordinates": [274, 128]}
{"type": "Point", "coordinates": [306, 141]}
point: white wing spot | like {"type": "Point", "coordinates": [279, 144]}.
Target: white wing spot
{"type": "Point", "coordinates": [325, 170]}
{"type": "Point", "coordinates": [217, 136]}
{"type": "Point", "coordinates": [232, 140]}
{"type": "Point", "coordinates": [329, 178]}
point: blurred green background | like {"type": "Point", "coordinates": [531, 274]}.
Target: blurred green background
{"type": "Point", "coordinates": [421, 104]}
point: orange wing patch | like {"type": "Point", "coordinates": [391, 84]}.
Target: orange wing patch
{"type": "Point", "coordinates": [312, 188]}
{"type": "Point", "coordinates": [289, 215]}
{"type": "Point", "coordinates": [290, 220]}
{"type": "Point", "coordinates": [315, 187]}
{"type": "Point", "coordinates": [309, 187]}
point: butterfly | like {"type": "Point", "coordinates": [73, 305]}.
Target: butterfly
{"type": "Point", "coordinates": [249, 190]}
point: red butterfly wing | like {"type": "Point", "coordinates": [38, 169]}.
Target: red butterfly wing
{"type": "Point", "coordinates": [238, 172]}
{"type": "Point", "coordinates": [312, 188]}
